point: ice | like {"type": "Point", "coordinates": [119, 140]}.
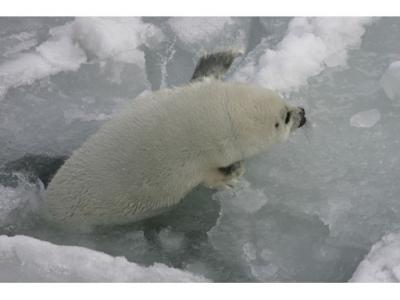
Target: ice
{"type": "Point", "coordinates": [365, 119]}
{"type": "Point", "coordinates": [23, 34]}
{"type": "Point", "coordinates": [205, 34]}
{"type": "Point", "coordinates": [170, 240]}
{"type": "Point", "coordinates": [18, 42]}
{"type": "Point", "coordinates": [186, 39]}
{"type": "Point", "coordinates": [25, 259]}
{"type": "Point", "coordinates": [324, 186]}
{"type": "Point", "coordinates": [382, 264]}
{"type": "Point", "coordinates": [18, 199]}
{"type": "Point", "coordinates": [57, 92]}
{"type": "Point", "coordinates": [390, 82]}
{"type": "Point", "coordinates": [309, 209]}
{"type": "Point", "coordinates": [243, 197]}
{"type": "Point", "coordinates": [70, 46]}
{"type": "Point", "coordinates": [49, 58]}
{"type": "Point", "coordinates": [264, 240]}
{"type": "Point", "coordinates": [116, 38]}
{"type": "Point", "coordinates": [309, 45]}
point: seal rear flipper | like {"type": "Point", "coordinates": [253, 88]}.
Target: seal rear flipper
{"type": "Point", "coordinates": [36, 166]}
{"type": "Point", "coordinates": [214, 64]}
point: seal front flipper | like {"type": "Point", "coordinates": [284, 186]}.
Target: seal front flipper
{"type": "Point", "coordinates": [214, 64]}
{"type": "Point", "coordinates": [225, 177]}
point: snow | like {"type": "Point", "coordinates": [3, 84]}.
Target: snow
{"type": "Point", "coordinates": [307, 210]}
{"type": "Point", "coordinates": [382, 264]}
{"type": "Point", "coordinates": [195, 30]}
{"type": "Point", "coordinates": [25, 259]}
{"type": "Point", "coordinates": [309, 46]}
{"type": "Point", "coordinates": [390, 82]}
{"type": "Point", "coordinates": [116, 38]}
{"type": "Point", "coordinates": [71, 44]}
{"type": "Point", "coordinates": [204, 34]}
{"type": "Point", "coordinates": [305, 181]}
{"type": "Point", "coordinates": [109, 51]}
{"type": "Point", "coordinates": [365, 119]}
{"type": "Point", "coordinates": [49, 58]}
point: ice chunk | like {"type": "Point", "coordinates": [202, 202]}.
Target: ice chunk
{"type": "Point", "coordinates": [382, 264]}
{"type": "Point", "coordinates": [365, 119]}
{"type": "Point", "coordinates": [116, 38]}
{"type": "Point", "coordinates": [25, 259]}
{"type": "Point", "coordinates": [390, 83]}
{"type": "Point", "coordinates": [309, 45]}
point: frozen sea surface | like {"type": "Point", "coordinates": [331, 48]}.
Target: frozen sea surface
{"type": "Point", "coordinates": [308, 210]}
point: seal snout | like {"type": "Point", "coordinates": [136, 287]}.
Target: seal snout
{"type": "Point", "coordinates": [302, 114]}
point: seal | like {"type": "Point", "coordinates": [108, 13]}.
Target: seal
{"type": "Point", "coordinates": [161, 146]}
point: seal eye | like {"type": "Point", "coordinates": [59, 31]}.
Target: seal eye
{"type": "Point", "coordinates": [276, 125]}
{"type": "Point", "coordinates": [287, 119]}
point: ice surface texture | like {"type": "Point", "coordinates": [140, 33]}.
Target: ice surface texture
{"type": "Point", "coordinates": [25, 259]}
{"type": "Point", "coordinates": [308, 210]}
{"type": "Point", "coordinates": [365, 119]}
{"type": "Point", "coordinates": [382, 264]}
{"type": "Point", "coordinates": [390, 82]}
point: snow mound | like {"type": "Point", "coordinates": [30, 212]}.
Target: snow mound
{"type": "Point", "coordinates": [116, 38]}
{"type": "Point", "coordinates": [77, 42]}
{"type": "Point", "coordinates": [390, 82]}
{"type": "Point", "coordinates": [25, 259]}
{"type": "Point", "coordinates": [365, 119]}
{"type": "Point", "coordinates": [309, 46]}
{"type": "Point", "coordinates": [382, 264]}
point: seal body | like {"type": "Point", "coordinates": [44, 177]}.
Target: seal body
{"type": "Point", "coordinates": [159, 148]}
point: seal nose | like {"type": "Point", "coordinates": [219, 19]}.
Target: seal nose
{"type": "Point", "coordinates": [303, 117]}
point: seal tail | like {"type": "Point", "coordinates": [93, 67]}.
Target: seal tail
{"type": "Point", "coordinates": [36, 166]}
{"type": "Point", "coordinates": [214, 64]}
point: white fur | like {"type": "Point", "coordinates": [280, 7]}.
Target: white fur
{"type": "Point", "coordinates": [160, 147]}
